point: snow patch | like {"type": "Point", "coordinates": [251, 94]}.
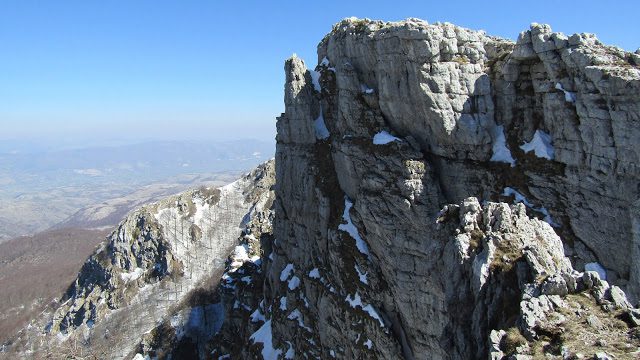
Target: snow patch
{"type": "Point", "coordinates": [569, 96]}
{"type": "Point", "coordinates": [383, 137]}
{"type": "Point", "coordinates": [297, 315]}
{"type": "Point", "coordinates": [314, 273]}
{"type": "Point", "coordinates": [291, 353]}
{"type": "Point", "coordinates": [283, 303]}
{"type": "Point", "coordinates": [286, 272]}
{"type": "Point", "coordinates": [368, 344]}
{"type": "Point", "coordinates": [322, 133]}
{"type": "Point", "coordinates": [596, 267]}
{"type": "Point", "coordinates": [257, 316]}
{"type": "Point", "coordinates": [315, 80]}
{"type": "Point", "coordinates": [356, 302]}
{"type": "Point", "coordinates": [373, 313]}
{"type": "Point", "coordinates": [508, 191]}
{"type": "Point", "coordinates": [294, 282]}
{"type": "Point", "coordinates": [501, 152]}
{"type": "Point", "coordinates": [540, 145]}
{"type": "Point", "coordinates": [238, 257]}
{"type": "Point", "coordinates": [265, 336]}
{"type": "Point", "coordinates": [365, 89]}
{"type": "Point", "coordinates": [350, 229]}
{"type": "Point", "coordinates": [132, 276]}
{"type": "Point", "coordinates": [362, 275]}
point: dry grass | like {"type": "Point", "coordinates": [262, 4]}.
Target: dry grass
{"type": "Point", "coordinates": [460, 59]}
{"type": "Point", "coordinates": [512, 340]}
{"type": "Point", "coordinates": [588, 329]}
{"type": "Point", "coordinates": [505, 256]}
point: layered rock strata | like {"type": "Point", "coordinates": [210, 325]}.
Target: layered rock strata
{"type": "Point", "coordinates": [399, 119]}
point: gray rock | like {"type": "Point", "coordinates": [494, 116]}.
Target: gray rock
{"type": "Point", "coordinates": [618, 298]}
{"type": "Point", "coordinates": [452, 91]}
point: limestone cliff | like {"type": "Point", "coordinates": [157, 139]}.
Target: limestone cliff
{"type": "Point", "coordinates": [400, 119]}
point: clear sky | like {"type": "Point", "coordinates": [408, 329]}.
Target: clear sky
{"type": "Point", "coordinates": [145, 69]}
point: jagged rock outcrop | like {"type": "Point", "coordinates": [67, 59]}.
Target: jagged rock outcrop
{"type": "Point", "coordinates": [399, 119]}
{"type": "Point", "coordinates": [156, 274]}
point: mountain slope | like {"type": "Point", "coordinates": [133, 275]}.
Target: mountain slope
{"type": "Point", "coordinates": [154, 261]}
{"type": "Point", "coordinates": [34, 270]}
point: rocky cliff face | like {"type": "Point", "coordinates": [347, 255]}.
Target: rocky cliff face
{"type": "Point", "coordinates": [151, 286]}
{"type": "Point", "coordinates": [399, 119]}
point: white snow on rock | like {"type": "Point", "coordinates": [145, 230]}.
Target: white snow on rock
{"type": "Point", "coordinates": [501, 152]}
{"type": "Point", "coordinates": [294, 282]}
{"type": "Point", "coordinates": [383, 137]}
{"type": "Point", "coordinates": [286, 272]}
{"type": "Point", "coordinates": [314, 273]}
{"type": "Point", "coordinates": [322, 133]}
{"type": "Point", "coordinates": [297, 315]}
{"type": "Point", "coordinates": [368, 344]}
{"type": "Point", "coordinates": [283, 303]}
{"type": "Point", "coordinates": [351, 229]}
{"type": "Point", "coordinates": [201, 209]}
{"type": "Point", "coordinates": [596, 267]}
{"type": "Point", "coordinates": [325, 63]}
{"type": "Point", "coordinates": [365, 89]}
{"type": "Point", "coordinates": [547, 217]}
{"type": "Point", "coordinates": [356, 301]}
{"type": "Point", "coordinates": [508, 191]}
{"type": "Point", "coordinates": [291, 353]}
{"type": "Point", "coordinates": [315, 80]}
{"type": "Point", "coordinates": [373, 313]}
{"type": "Point", "coordinates": [361, 275]}
{"type": "Point", "coordinates": [568, 95]}
{"type": "Point", "coordinates": [238, 257]}
{"type": "Point", "coordinates": [132, 276]}
{"type": "Point", "coordinates": [257, 316]}
{"type": "Point", "coordinates": [265, 336]}
{"type": "Point", "coordinates": [540, 145]}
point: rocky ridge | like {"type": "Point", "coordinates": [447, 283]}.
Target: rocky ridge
{"type": "Point", "coordinates": [399, 119]}
{"type": "Point", "coordinates": [157, 266]}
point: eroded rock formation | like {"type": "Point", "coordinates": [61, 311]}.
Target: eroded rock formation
{"type": "Point", "coordinates": [399, 119]}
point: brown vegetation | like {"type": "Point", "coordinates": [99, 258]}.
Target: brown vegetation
{"type": "Point", "coordinates": [36, 269]}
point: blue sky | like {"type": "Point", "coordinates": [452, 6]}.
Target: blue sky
{"type": "Point", "coordinates": [99, 71]}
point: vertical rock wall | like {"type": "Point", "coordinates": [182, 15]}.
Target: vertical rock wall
{"type": "Point", "coordinates": [399, 119]}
